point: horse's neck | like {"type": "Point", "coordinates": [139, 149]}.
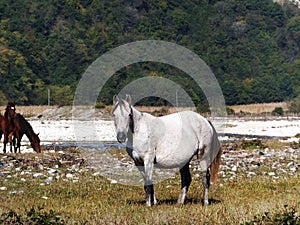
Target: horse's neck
{"type": "Point", "coordinates": [139, 117]}
{"type": "Point", "coordinates": [136, 113]}
{"type": "Point", "coordinates": [29, 133]}
{"type": "Point", "coordinates": [9, 118]}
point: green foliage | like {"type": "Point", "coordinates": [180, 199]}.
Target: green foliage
{"type": "Point", "coordinates": [230, 111]}
{"type": "Point", "coordinates": [61, 95]}
{"type": "Point", "coordinates": [288, 216]}
{"type": "Point", "coordinates": [33, 216]}
{"type": "Point", "coordinates": [100, 105]}
{"type": "Point", "coordinates": [252, 144]}
{"type": "Point", "coordinates": [252, 47]}
{"type": "Point", "coordinates": [294, 105]}
{"type": "Point", "coordinates": [278, 111]}
{"type": "Point", "coordinates": [202, 108]}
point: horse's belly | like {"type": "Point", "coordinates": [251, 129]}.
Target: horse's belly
{"type": "Point", "coordinates": [176, 153]}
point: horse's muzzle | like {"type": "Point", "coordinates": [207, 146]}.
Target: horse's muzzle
{"type": "Point", "coordinates": [121, 137]}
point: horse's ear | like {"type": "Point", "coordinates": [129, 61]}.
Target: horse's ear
{"type": "Point", "coordinates": [115, 99]}
{"type": "Point", "coordinates": [38, 134]}
{"type": "Point", "coordinates": [128, 99]}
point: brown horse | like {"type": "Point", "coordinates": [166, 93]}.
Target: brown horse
{"type": "Point", "coordinates": [7, 125]}
{"type": "Point", "coordinates": [22, 127]}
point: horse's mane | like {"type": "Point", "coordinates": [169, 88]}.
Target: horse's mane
{"type": "Point", "coordinates": [23, 122]}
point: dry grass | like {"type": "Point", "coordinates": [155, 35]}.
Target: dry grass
{"type": "Point", "coordinates": [259, 108]}
{"type": "Point", "coordinates": [29, 111]}
{"type": "Point", "coordinates": [94, 200]}
{"type": "Point", "coordinates": [252, 108]}
{"type": "Point", "coordinates": [151, 109]}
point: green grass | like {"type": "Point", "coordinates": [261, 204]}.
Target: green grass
{"type": "Point", "coordinates": [93, 200]}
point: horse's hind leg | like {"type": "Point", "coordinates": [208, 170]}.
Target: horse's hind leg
{"type": "Point", "coordinates": [206, 183]}
{"type": "Point", "coordinates": [186, 180]}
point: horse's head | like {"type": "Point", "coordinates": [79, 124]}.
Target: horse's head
{"type": "Point", "coordinates": [10, 110]}
{"type": "Point", "coordinates": [122, 116]}
{"type": "Point", "coordinates": [35, 143]}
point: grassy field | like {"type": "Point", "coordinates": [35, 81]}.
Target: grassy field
{"type": "Point", "coordinates": [26, 199]}
{"type": "Point", "coordinates": [94, 200]}
{"type": "Point", "coordinates": [259, 108]}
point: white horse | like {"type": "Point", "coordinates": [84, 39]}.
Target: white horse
{"type": "Point", "coordinates": [167, 142]}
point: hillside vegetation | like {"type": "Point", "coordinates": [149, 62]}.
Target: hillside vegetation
{"type": "Point", "coordinates": [253, 46]}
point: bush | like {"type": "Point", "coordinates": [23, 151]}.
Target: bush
{"type": "Point", "coordinates": [288, 216]}
{"type": "Point", "coordinates": [294, 105]}
{"type": "Point", "coordinates": [33, 216]}
{"type": "Point", "coordinates": [100, 105]}
{"type": "Point", "coordinates": [252, 144]}
{"type": "Point", "coordinates": [278, 111]}
{"type": "Point", "coordinates": [161, 112]}
{"type": "Point", "coordinates": [202, 108]}
{"type": "Point", "coordinates": [230, 111]}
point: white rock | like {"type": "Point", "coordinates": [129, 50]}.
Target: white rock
{"type": "Point", "coordinates": [234, 168]}
{"type": "Point", "coordinates": [69, 175]}
{"type": "Point", "coordinates": [3, 188]}
{"type": "Point", "coordinates": [51, 171]}
{"type": "Point", "coordinates": [41, 167]}
{"type": "Point", "coordinates": [37, 175]}
{"type": "Point", "coordinates": [96, 173]}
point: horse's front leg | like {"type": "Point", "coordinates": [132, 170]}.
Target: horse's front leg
{"type": "Point", "coordinates": [11, 141]}
{"type": "Point", "coordinates": [148, 182]}
{"type": "Point", "coordinates": [147, 172]}
{"type": "Point", "coordinates": [15, 144]}
{"type": "Point", "coordinates": [5, 142]}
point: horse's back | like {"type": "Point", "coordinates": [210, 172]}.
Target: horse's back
{"type": "Point", "coordinates": [179, 137]}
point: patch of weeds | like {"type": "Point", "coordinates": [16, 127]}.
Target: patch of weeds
{"type": "Point", "coordinates": [252, 144]}
{"type": "Point", "coordinates": [33, 216]}
{"type": "Point", "coordinates": [100, 105]}
{"type": "Point", "coordinates": [278, 111]}
{"type": "Point", "coordinates": [161, 112]}
{"type": "Point", "coordinates": [228, 125]}
{"type": "Point", "coordinates": [230, 111]}
{"type": "Point", "coordinates": [295, 145]}
{"type": "Point", "coordinates": [289, 215]}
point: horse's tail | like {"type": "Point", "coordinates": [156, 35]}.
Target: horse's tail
{"type": "Point", "coordinates": [215, 166]}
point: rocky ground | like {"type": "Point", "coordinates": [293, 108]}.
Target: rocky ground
{"type": "Point", "coordinates": [71, 163]}
{"type": "Point", "coordinates": [241, 158]}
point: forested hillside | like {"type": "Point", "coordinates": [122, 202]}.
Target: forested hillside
{"type": "Point", "coordinates": [252, 46]}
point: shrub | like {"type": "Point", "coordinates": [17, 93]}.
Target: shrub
{"type": "Point", "coordinates": [202, 108]}
{"type": "Point", "coordinates": [230, 111]}
{"type": "Point", "coordinates": [288, 216]}
{"type": "Point", "coordinates": [100, 105]}
{"type": "Point", "coordinates": [252, 144]}
{"type": "Point", "coordinates": [33, 216]}
{"type": "Point", "coordinates": [294, 105]}
{"type": "Point", "coordinates": [278, 111]}
{"type": "Point", "coordinates": [161, 112]}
